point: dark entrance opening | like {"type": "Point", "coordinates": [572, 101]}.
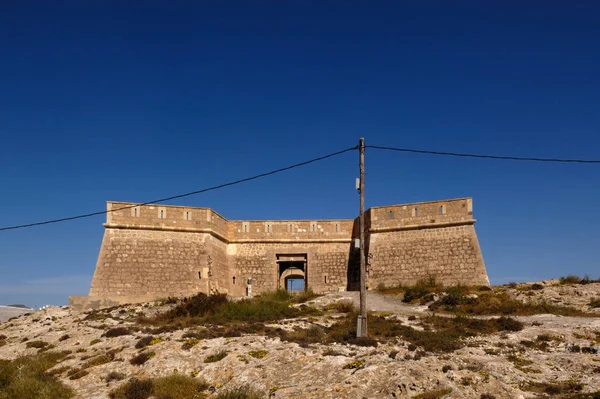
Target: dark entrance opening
{"type": "Point", "coordinates": [292, 273]}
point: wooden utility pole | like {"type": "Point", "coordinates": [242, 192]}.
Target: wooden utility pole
{"type": "Point", "coordinates": [361, 328]}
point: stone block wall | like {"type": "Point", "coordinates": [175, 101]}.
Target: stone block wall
{"type": "Point", "coordinates": [258, 261]}
{"type": "Point", "coordinates": [450, 254]}
{"type": "Point", "coordinates": [140, 263]}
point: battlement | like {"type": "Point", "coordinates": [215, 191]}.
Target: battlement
{"type": "Point", "coordinates": [381, 218]}
{"type": "Point", "coordinates": [127, 215]}
{"type": "Point", "coordinates": [420, 215]}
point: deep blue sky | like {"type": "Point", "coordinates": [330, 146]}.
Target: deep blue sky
{"type": "Point", "coordinates": [134, 101]}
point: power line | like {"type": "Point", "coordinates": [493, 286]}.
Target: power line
{"type": "Point", "coordinates": [467, 155]}
{"type": "Point", "coordinates": [87, 215]}
{"type": "Point", "coordinates": [409, 150]}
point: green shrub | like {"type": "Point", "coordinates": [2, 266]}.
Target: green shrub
{"type": "Point", "coordinates": [215, 357]}
{"type": "Point", "coordinates": [258, 354]}
{"type": "Point", "coordinates": [144, 342]}
{"type": "Point", "coordinates": [190, 343]}
{"type": "Point", "coordinates": [594, 303]}
{"type": "Point", "coordinates": [26, 377]}
{"type": "Point", "coordinates": [420, 289]}
{"type": "Point", "coordinates": [570, 279]}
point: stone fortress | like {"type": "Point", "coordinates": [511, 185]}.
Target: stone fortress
{"type": "Point", "coordinates": [150, 252]}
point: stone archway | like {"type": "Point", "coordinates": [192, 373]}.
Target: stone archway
{"type": "Point", "coordinates": [292, 272]}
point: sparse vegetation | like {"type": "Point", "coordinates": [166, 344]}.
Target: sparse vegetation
{"type": "Point", "coordinates": [216, 309]}
{"type": "Point", "coordinates": [258, 354]}
{"type": "Point", "coordinates": [437, 394]}
{"type": "Point", "coordinates": [594, 303]}
{"type": "Point", "coordinates": [176, 386]}
{"type": "Point", "coordinates": [344, 306]}
{"type": "Point", "coordinates": [190, 343]}
{"type": "Point", "coordinates": [215, 357]}
{"type": "Point", "coordinates": [141, 358]}
{"type": "Point", "coordinates": [114, 376]}
{"type": "Point", "coordinates": [355, 365]}
{"type": "Point", "coordinates": [458, 299]}
{"type": "Point", "coordinates": [559, 388]}
{"type": "Point", "coordinates": [147, 341]}
{"type": "Point", "coordinates": [116, 332]}
{"type": "Point", "coordinates": [64, 338]}
{"type": "Point", "coordinates": [27, 378]}
{"type": "Point", "coordinates": [572, 279]}
{"type": "Point", "coordinates": [37, 344]}
{"type": "Point", "coordinates": [244, 392]}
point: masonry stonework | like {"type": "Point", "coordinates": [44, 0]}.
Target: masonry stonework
{"type": "Point", "coordinates": [150, 252]}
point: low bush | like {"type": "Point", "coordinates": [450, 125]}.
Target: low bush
{"type": "Point", "coordinates": [37, 344]}
{"type": "Point", "coordinates": [64, 337]}
{"type": "Point", "coordinates": [594, 303]}
{"type": "Point", "coordinates": [116, 332]}
{"type": "Point", "coordinates": [141, 358]}
{"type": "Point", "coordinates": [27, 377]}
{"type": "Point", "coordinates": [114, 376]}
{"type": "Point", "coordinates": [215, 357]}
{"type": "Point", "coordinates": [147, 341]}
{"type": "Point", "coordinates": [345, 306]}
{"type": "Point", "coordinates": [244, 392]}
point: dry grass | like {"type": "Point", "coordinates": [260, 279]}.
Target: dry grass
{"type": "Point", "coordinates": [235, 316]}
{"type": "Point", "coordinates": [498, 303]}
{"type": "Point", "coordinates": [176, 386]}
{"type": "Point", "coordinates": [594, 303]}
{"type": "Point", "coordinates": [554, 389]}
{"type": "Point", "coordinates": [27, 378]}
{"type": "Point", "coordinates": [244, 392]}
{"type": "Point", "coordinates": [437, 394]}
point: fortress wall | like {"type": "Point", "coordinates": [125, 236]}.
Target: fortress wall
{"type": "Point", "coordinates": [293, 230]}
{"type": "Point", "coordinates": [153, 251]}
{"type": "Point", "coordinates": [168, 217]}
{"type": "Point", "coordinates": [404, 256]}
{"type": "Point", "coordinates": [148, 263]}
{"type": "Point", "coordinates": [420, 213]}
{"type": "Point", "coordinates": [259, 261]}
{"type": "Point", "coordinates": [217, 264]}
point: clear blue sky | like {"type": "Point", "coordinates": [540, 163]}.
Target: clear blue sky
{"type": "Point", "coordinates": [134, 101]}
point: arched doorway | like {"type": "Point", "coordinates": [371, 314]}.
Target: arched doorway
{"type": "Point", "coordinates": [292, 272]}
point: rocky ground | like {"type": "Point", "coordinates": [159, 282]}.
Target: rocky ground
{"type": "Point", "coordinates": [549, 349]}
